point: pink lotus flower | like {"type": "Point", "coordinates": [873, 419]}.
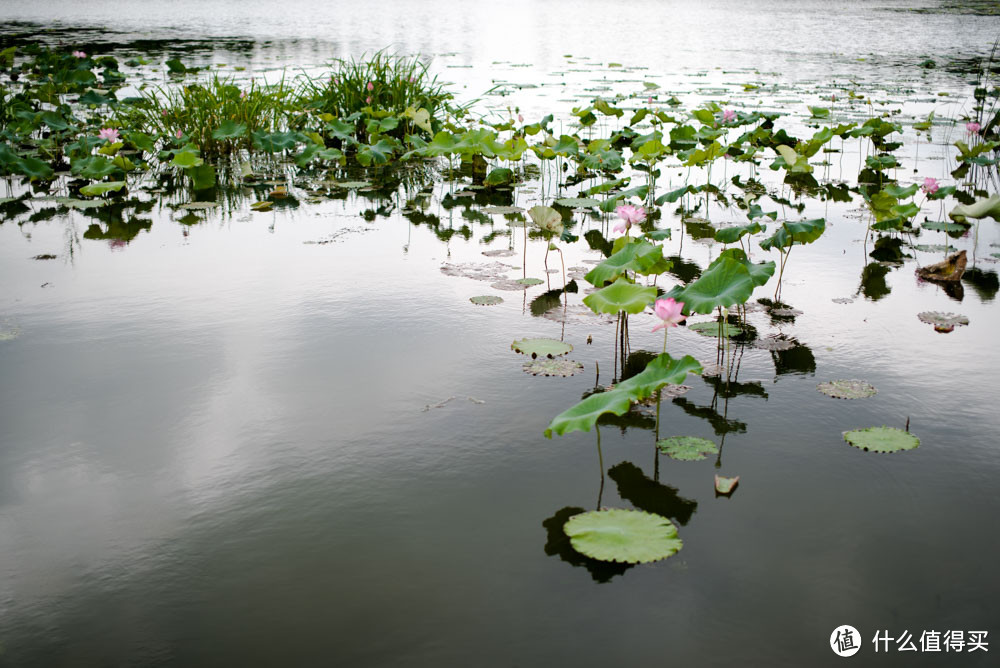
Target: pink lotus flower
{"type": "Point", "coordinates": [179, 134]}
{"type": "Point", "coordinates": [520, 118]}
{"type": "Point", "coordinates": [973, 128]}
{"type": "Point", "coordinates": [669, 311]}
{"type": "Point", "coordinates": [649, 100]}
{"type": "Point", "coordinates": [163, 112]}
{"type": "Point", "coordinates": [370, 86]}
{"type": "Point", "coordinates": [630, 215]}
{"type": "Point", "coordinates": [110, 134]}
{"type": "Point", "coordinates": [728, 116]}
{"type": "Point", "coordinates": [79, 54]}
{"type": "Point", "coordinates": [930, 186]}
{"type": "Point", "coordinates": [368, 100]}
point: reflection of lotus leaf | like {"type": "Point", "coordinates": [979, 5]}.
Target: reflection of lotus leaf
{"type": "Point", "coordinates": [939, 319]}
{"type": "Point", "coordinates": [541, 347]}
{"type": "Point", "coordinates": [881, 439]}
{"type": "Point", "coordinates": [687, 448]}
{"type": "Point", "coordinates": [724, 485]}
{"type": "Point", "coordinates": [486, 300]}
{"type": "Point", "coordinates": [847, 389]}
{"type": "Point", "coordinates": [627, 536]}
{"type": "Point", "coordinates": [552, 367]}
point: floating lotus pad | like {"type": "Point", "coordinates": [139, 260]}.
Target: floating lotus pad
{"type": "Point", "coordinates": [552, 367]}
{"type": "Point", "coordinates": [775, 343]}
{"type": "Point", "coordinates": [577, 202]}
{"type": "Point", "coordinates": [195, 206]}
{"type": "Point", "coordinates": [939, 319]}
{"type": "Point", "coordinates": [847, 389]}
{"type": "Point", "coordinates": [529, 281]}
{"type": "Point", "coordinates": [881, 439]}
{"type": "Point", "coordinates": [502, 209]}
{"type": "Point", "coordinates": [626, 536]}
{"type": "Point", "coordinates": [501, 252]}
{"type": "Point", "coordinates": [712, 329]}
{"type": "Point", "coordinates": [541, 347]}
{"type": "Point", "coordinates": [486, 300]}
{"type": "Point", "coordinates": [724, 485]}
{"type": "Point", "coordinates": [351, 184]}
{"type": "Point", "coordinates": [687, 448]}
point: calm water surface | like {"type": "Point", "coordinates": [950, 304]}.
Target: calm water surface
{"type": "Point", "coordinates": [227, 444]}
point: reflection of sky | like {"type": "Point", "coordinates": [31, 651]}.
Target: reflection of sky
{"type": "Point", "coordinates": [213, 439]}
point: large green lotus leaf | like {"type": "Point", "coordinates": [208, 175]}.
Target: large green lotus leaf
{"type": "Point", "coordinates": [584, 415]}
{"type": "Point", "coordinates": [979, 209]}
{"type": "Point", "coordinates": [95, 189]}
{"type": "Point", "coordinates": [730, 235]}
{"type": "Point", "coordinates": [687, 448]}
{"type": "Point", "coordinates": [627, 536]}
{"type": "Point", "coordinates": [725, 284]}
{"type": "Point", "coordinates": [34, 168]}
{"type": "Point", "coordinates": [377, 153]}
{"type": "Point", "coordinates": [881, 439]}
{"type": "Point", "coordinates": [760, 273]}
{"type": "Point", "coordinates": [229, 129]}
{"type": "Point", "coordinates": [185, 159]}
{"type": "Point", "coordinates": [541, 347]}
{"type": "Point", "coordinates": [801, 232]}
{"type": "Point", "coordinates": [635, 256]}
{"type": "Point", "coordinates": [93, 167]}
{"type": "Point", "coordinates": [661, 370]}
{"type": "Point", "coordinates": [622, 296]}
{"type": "Point", "coordinates": [900, 192]}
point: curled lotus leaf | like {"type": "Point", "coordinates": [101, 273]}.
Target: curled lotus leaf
{"type": "Point", "coordinates": [541, 347]}
{"type": "Point", "coordinates": [939, 319]}
{"type": "Point", "coordinates": [552, 367]}
{"type": "Point", "coordinates": [847, 389]}
{"type": "Point", "coordinates": [687, 448]}
{"type": "Point", "coordinates": [724, 485]}
{"type": "Point", "coordinates": [486, 300]}
{"type": "Point", "coordinates": [546, 218]}
{"type": "Point", "coordinates": [881, 439]}
{"type": "Point", "coordinates": [626, 536]}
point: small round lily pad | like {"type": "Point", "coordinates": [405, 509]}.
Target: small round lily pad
{"type": "Point", "coordinates": [486, 300]}
{"type": "Point", "coordinates": [847, 389]}
{"type": "Point", "coordinates": [552, 367]}
{"type": "Point", "coordinates": [352, 184]}
{"type": "Point", "coordinates": [529, 281]}
{"type": "Point", "coordinates": [881, 439]}
{"type": "Point", "coordinates": [711, 328]}
{"type": "Point", "coordinates": [626, 536]}
{"type": "Point", "coordinates": [541, 347]}
{"type": "Point", "coordinates": [687, 448]}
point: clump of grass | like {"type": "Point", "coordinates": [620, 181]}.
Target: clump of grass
{"type": "Point", "coordinates": [198, 112]}
{"type": "Point", "coordinates": [381, 83]}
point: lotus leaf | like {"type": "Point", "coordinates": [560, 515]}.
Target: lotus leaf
{"type": "Point", "coordinates": [847, 389]}
{"type": "Point", "coordinates": [626, 536]}
{"type": "Point", "coordinates": [541, 347]}
{"type": "Point", "coordinates": [621, 296]}
{"type": "Point", "coordinates": [881, 439]}
{"type": "Point", "coordinates": [552, 367]}
{"type": "Point", "coordinates": [687, 448]}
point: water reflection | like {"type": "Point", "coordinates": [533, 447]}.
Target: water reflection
{"type": "Point", "coordinates": [649, 495]}
{"type": "Point", "coordinates": [558, 544]}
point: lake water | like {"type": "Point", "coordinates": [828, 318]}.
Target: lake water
{"type": "Point", "coordinates": [288, 438]}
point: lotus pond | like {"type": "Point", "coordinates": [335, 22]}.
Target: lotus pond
{"type": "Point", "coordinates": [367, 338]}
